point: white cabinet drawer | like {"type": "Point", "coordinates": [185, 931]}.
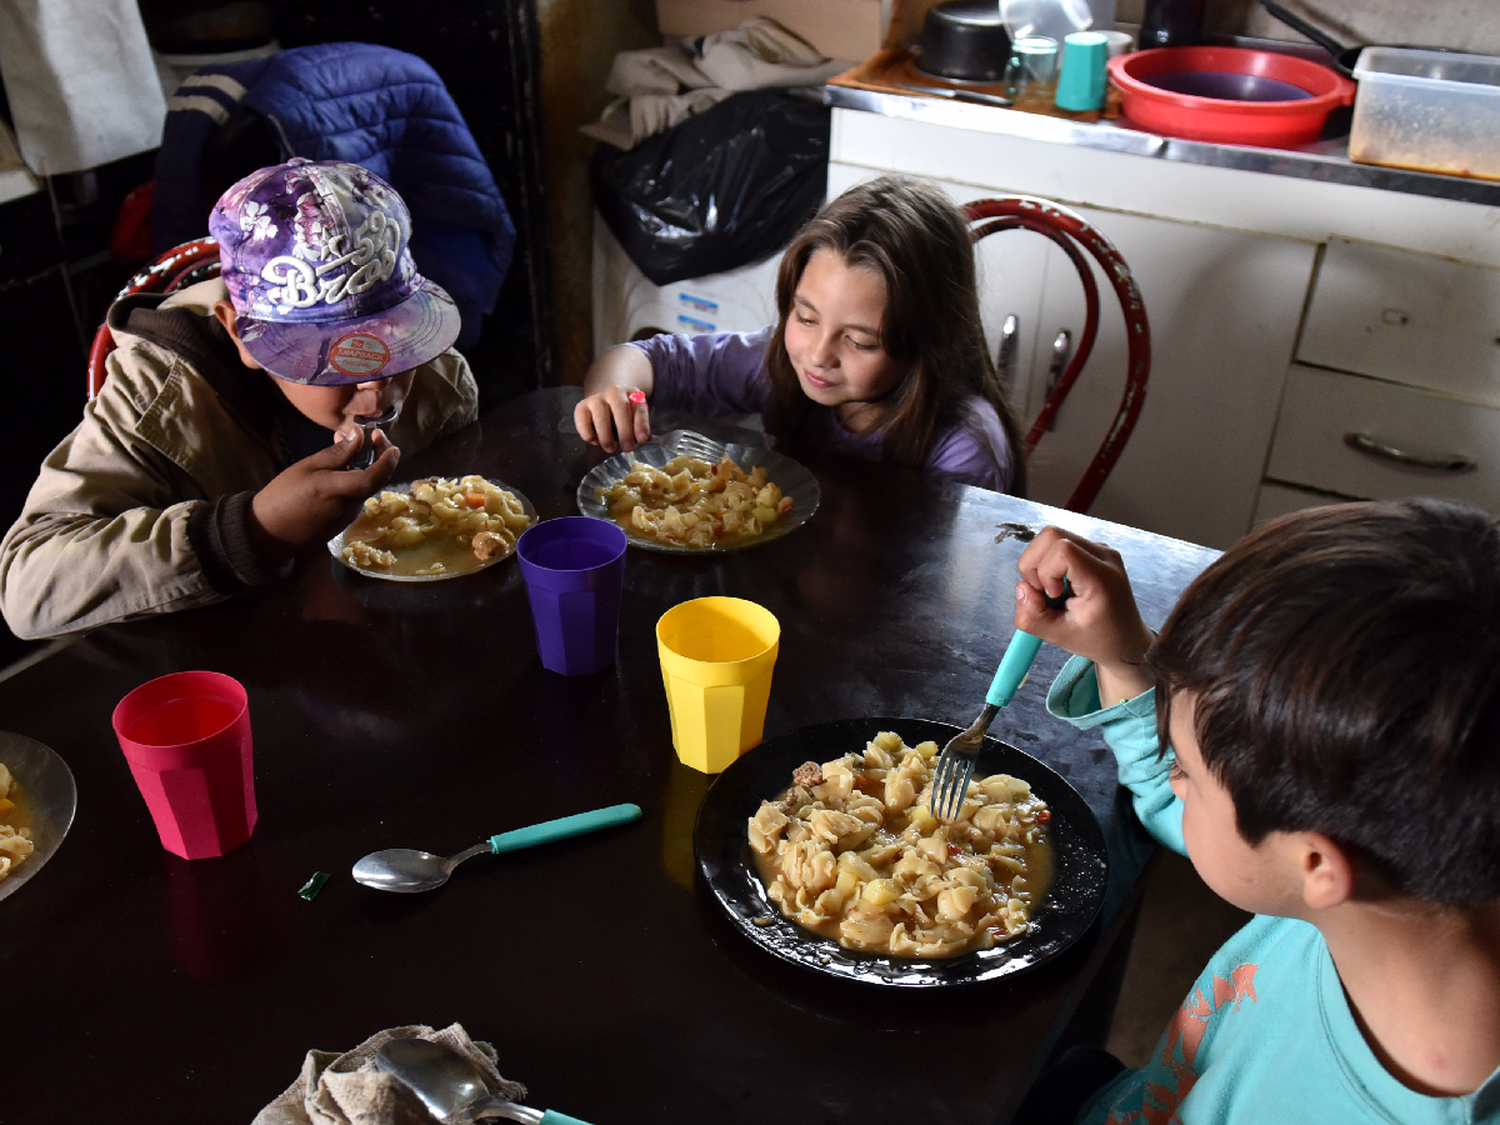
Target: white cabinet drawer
{"type": "Point", "coordinates": [1280, 499]}
{"type": "Point", "coordinates": [1412, 318]}
{"type": "Point", "coordinates": [1321, 409]}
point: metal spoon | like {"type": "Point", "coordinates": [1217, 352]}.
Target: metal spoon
{"type": "Point", "coordinates": [409, 870]}
{"type": "Point", "coordinates": [451, 1087]}
{"type": "Point", "coordinates": [368, 424]}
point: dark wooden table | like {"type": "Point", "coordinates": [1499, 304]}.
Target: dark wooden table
{"type": "Point", "coordinates": [142, 987]}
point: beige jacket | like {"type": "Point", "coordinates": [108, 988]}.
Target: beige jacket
{"type": "Point", "coordinates": [103, 536]}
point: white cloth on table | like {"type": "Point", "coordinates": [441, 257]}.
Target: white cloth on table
{"type": "Point", "coordinates": [346, 1089]}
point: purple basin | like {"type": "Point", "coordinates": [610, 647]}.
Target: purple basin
{"type": "Point", "coordinates": [1227, 87]}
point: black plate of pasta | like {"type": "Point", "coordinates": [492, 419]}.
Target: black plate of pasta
{"type": "Point", "coordinates": [798, 488]}
{"type": "Point", "coordinates": [728, 864]}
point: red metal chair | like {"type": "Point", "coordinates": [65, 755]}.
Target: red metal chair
{"type": "Point", "coordinates": [1070, 231]}
{"type": "Point", "coordinates": [179, 267]}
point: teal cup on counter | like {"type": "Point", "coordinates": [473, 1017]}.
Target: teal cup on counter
{"type": "Point", "coordinates": [1081, 81]}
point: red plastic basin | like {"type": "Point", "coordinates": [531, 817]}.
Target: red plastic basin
{"type": "Point", "coordinates": [1269, 124]}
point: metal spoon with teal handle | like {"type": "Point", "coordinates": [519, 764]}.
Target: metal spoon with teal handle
{"type": "Point", "coordinates": [408, 870]}
{"type": "Point", "coordinates": [955, 766]}
{"type": "Point", "coordinates": [451, 1087]}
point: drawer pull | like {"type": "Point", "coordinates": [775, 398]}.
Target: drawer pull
{"type": "Point", "coordinates": [1062, 351]}
{"type": "Point", "coordinates": [1005, 365]}
{"type": "Point", "coordinates": [1446, 462]}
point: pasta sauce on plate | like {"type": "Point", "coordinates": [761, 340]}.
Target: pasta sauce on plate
{"type": "Point", "coordinates": [435, 527]}
{"type": "Point", "coordinates": [852, 852]}
{"type": "Point", "coordinates": [692, 503]}
{"type": "Point", "coordinates": [16, 842]}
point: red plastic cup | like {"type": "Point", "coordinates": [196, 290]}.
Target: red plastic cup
{"type": "Point", "coordinates": [186, 737]}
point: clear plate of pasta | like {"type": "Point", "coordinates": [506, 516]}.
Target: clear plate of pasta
{"type": "Point", "coordinates": [37, 805]}
{"type": "Point", "coordinates": [434, 528]}
{"type": "Point", "coordinates": [684, 493]}
{"type": "Point", "coordinates": [1066, 898]}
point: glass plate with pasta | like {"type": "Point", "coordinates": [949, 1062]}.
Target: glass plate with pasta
{"type": "Point", "coordinates": [43, 799]}
{"type": "Point", "coordinates": [444, 527]}
{"type": "Point", "coordinates": [796, 493]}
{"type": "Point", "coordinates": [729, 866]}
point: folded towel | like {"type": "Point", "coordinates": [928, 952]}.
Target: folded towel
{"type": "Point", "coordinates": [762, 53]}
{"type": "Point", "coordinates": [662, 86]}
{"type": "Point", "coordinates": [346, 1089]}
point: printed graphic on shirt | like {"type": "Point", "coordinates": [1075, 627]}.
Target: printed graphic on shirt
{"type": "Point", "coordinates": [1161, 1101]}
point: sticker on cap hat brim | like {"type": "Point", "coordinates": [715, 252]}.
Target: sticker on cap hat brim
{"type": "Point", "coordinates": [358, 353]}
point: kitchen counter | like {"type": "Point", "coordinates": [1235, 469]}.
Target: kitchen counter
{"type": "Point", "coordinates": [1324, 160]}
{"type": "Point", "coordinates": [1230, 247]}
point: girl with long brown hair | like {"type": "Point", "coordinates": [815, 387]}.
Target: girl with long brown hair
{"type": "Point", "coordinates": [878, 350]}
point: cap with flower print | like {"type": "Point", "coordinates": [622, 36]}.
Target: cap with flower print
{"type": "Point", "coordinates": [314, 254]}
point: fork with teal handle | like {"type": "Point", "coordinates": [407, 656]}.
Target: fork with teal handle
{"type": "Point", "coordinates": [955, 765]}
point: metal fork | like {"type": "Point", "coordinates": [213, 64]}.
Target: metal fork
{"type": "Point", "coordinates": [690, 443]}
{"type": "Point", "coordinates": [955, 765]}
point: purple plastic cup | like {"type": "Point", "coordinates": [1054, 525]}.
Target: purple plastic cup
{"type": "Point", "coordinates": [574, 567]}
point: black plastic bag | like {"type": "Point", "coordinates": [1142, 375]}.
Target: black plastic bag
{"type": "Point", "coordinates": [724, 188]}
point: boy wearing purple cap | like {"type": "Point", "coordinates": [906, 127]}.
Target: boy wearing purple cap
{"type": "Point", "coordinates": [228, 434]}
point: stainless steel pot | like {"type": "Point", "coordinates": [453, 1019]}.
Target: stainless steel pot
{"type": "Point", "coordinates": [964, 40]}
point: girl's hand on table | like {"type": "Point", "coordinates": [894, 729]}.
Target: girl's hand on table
{"type": "Point", "coordinates": [312, 500]}
{"type": "Point", "coordinates": [614, 410]}
{"type": "Point", "coordinates": [1100, 622]}
{"type": "Point", "coordinates": [615, 391]}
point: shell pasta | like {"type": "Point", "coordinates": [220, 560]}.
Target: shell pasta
{"type": "Point", "coordinates": [440, 526]}
{"type": "Point", "coordinates": [15, 843]}
{"type": "Point", "coordinates": [852, 852]}
{"type": "Point", "coordinates": [695, 504]}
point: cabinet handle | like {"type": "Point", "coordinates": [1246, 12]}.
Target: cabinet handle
{"type": "Point", "coordinates": [1005, 365]}
{"type": "Point", "coordinates": [1446, 462]}
{"type": "Point", "coordinates": [1062, 349]}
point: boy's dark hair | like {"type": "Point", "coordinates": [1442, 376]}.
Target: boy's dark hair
{"type": "Point", "coordinates": [910, 234]}
{"type": "Point", "coordinates": [1345, 664]}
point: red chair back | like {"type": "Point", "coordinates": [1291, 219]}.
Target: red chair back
{"type": "Point", "coordinates": [1074, 235]}
{"type": "Point", "coordinates": [178, 268]}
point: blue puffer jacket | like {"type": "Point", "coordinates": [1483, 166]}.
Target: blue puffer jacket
{"type": "Point", "coordinates": [375, 106]}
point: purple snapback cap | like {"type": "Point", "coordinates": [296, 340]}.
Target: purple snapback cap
{"type": "Point", "coordinates": [314, 254]}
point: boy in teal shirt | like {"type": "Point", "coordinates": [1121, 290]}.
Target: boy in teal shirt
{"type": "Point", "coordinates": [1317, 727]}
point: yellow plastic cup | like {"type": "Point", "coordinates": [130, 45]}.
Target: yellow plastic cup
{"type": "Point", "coordinates": [716, 660]}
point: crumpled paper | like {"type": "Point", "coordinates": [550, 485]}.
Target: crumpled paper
{"type": "Point", "coordinates": [346, 1089]}
{"type": "Point", "coordinates": [661, 86]}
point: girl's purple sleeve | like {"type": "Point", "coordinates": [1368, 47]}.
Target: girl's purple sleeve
{"type": "Point", "coordinates": [976, 451]}
{"type": "Point", "coordinates": [710, 374]}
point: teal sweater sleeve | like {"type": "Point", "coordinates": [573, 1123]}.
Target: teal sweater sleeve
{"type": "Point", "coordinates": [1129, 729]}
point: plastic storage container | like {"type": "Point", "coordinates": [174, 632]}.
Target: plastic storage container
{"type": "Point", "coordinates": [1430, 111]}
